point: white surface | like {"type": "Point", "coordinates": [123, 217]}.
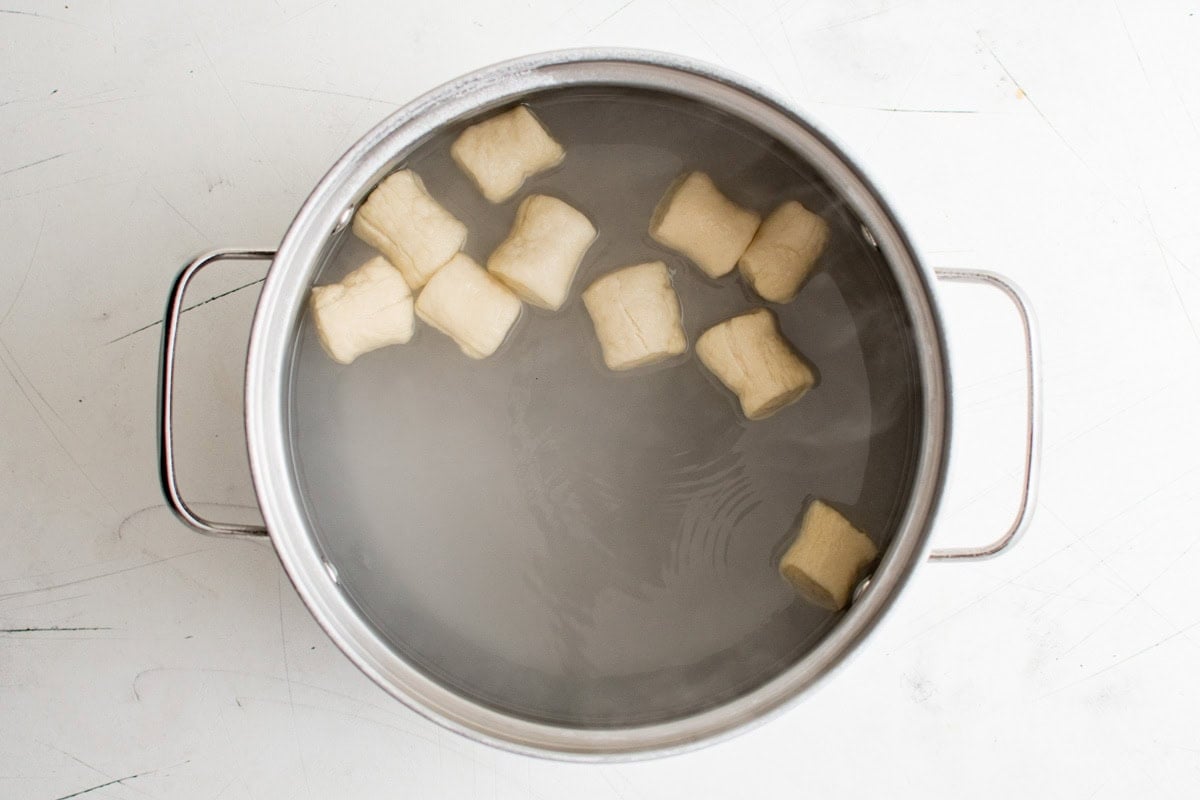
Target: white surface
{"type": "Point", "coordinates": [1055, 142]}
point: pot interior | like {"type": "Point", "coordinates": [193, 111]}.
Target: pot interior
{"type": "Point", "coordinates": [593, 549]}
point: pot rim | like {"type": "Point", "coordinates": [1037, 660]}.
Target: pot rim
{"type": "Point", "coordinates": [267, 400]}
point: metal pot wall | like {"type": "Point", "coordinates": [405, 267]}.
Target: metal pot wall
{"type": "Point", "coordinates": [271, 429]}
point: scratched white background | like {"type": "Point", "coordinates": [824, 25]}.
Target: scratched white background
{"type": "Point", "coordinates": [1054, 141]}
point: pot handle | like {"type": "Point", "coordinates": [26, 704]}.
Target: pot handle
{"type": "Point", "coordinates": [166, 379]}
{"type": "Point", "coordinates": [1033, 411]}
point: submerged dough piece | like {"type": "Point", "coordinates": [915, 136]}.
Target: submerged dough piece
{"type": "Point", "coordinates": [751, 357]}
{"type": "Point", "coordinates": [783, 252]}
{"type": "Point", "coordinates": [636, 314]}
{"type": "Point", "coordinates": [539, 258]}
{"type": "Point", "coordinates": [826, 559]}
{"type": "Point", "coordinates": [401, 220]}
{"type": "Point", "coordinates": [703, 224]}
{"type": "Point", "coordinates": [501, 152]}
{"type": "Point", "coordinates": [370, 308]}
{"type": "Point", "coordinates": [471, 307]}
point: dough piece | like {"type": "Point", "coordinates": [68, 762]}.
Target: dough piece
{"type": "Point", "coordinates": [782, 255]}
{"type": "Point", "coordinates": [401, 220]}
{"type": "Point", "coordinates": [703, 224]}
{"type": "Point", "coordinates": [636, 314]}
{"type": "Point", "coordinates": [826, 559]}
{"type": "Point", "coordinates": [751, 357]}
{"type": "Point", "coordinates": [539, 258]}
{"type": "Point", "coordinates": [471, 307]}
{"type": "Point", "coordinates": [501, 152]}
{"type": "Point", "coordinates": [372, 307]}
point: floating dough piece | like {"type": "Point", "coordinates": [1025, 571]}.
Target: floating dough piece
{"type": "Point", "coordinates": [471, 307]}
{"type": "Point", "coordinates": [826, 559]}
{"type": "Point", "coordinates": [751, 357]}
{"type": "Point", "coordinates": [783, 252]}
{"type": "Point", "coordinates": [372, 307]}
{"type": "Point", "coordinates": [539, 258]}
{"type": "Point", "coordinates": [501, 152]}
{"type": "Point", "coordinates": [408, 226]}
{"type": "Point", "coordinates": [636, 314]}
{"type": "Point", "coordinates": [703, 224]}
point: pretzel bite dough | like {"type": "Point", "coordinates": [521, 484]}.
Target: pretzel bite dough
{"type": "Point", "coordinates": [539, 258]}
{"type": "Point", "coordinates": [827, 558]}
{"type": "Point", "coordinates": [784, 251]}
{"type": "Point", "coordinates": [500, 153]}
{"type": "Point", "coordinates": [703, 224]}
{"type": "Point", "coordinates": [402, 221]}
{"type": "Point", "coordinates": [636, 315]}
{"type": "Point", "coordinates": [470, 306]}
{"type": "Point", "coordinates": [370, 308]}
{"type": "Point", "coordinates": [750, 356]}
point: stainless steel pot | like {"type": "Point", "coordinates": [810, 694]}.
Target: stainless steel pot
{"type": "Point", "coordinates": [271, 427]}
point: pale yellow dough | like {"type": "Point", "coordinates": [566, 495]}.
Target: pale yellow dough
{"type": "Point", "coordinates": [827, 558]}
{"type": "Point", "coordinates": [703, 224]}
{"type": "Point", "coordinates": [636, 315]}
{"type": "Point", "coordinates": [539, 258]}
{"type": "Point", "coordinates": [401, 220]}
{"type": "Point", "coordinates": [750, 356]}
{"type": "Point", "coordinates": [372, 307]}
{"type": "Point", "coordinates": [784, 251]}
{"type": "Point", "coordinates": [470, 306]}
{"type": "Point", "coordinates": [501, 152]}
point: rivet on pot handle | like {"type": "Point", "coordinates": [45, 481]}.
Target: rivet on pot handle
{"type": "Point", "coordinates": [166, 379]}
{"type": "Point", "coordinates": [1033, 410]}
